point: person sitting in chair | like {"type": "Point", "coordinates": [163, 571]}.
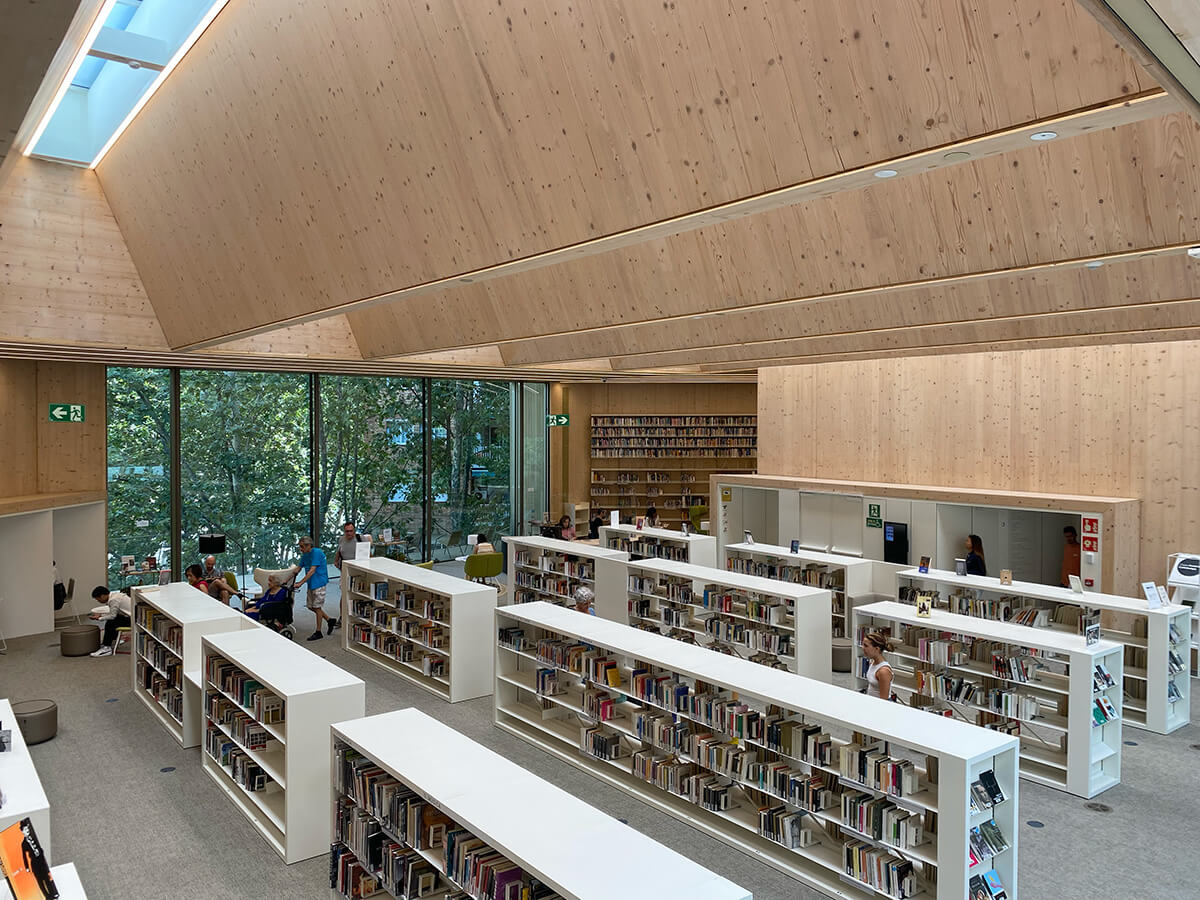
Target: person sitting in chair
{"type": "Point", "coordinates": [120, 608]}
{"type": "Point", "coordinates": [482, 545]}
{"type": "Point", "coordinates": [566, 528]}
{"type": "Point", "coordinates": [276, 592]}
{"type": "Point", "coordinates": [218, 587]}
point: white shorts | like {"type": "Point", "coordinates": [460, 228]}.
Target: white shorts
{"type": "Point", "coordinates": [316, 597]}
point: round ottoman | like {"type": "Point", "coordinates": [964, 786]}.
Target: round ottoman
{"type": "Point", "coordinates": [38, 719]}
{"type": "Point", "coordinates": [79, 640]}
{"type": "Point", "coordinates": [842, 657]}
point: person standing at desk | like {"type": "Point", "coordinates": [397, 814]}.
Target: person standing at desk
{"type": "Point", "coordinates": [975, 563]}
{"type": "Point", "coordinates": [347, 546]}
{"type": "Point", "coordinates": [1070, 560]}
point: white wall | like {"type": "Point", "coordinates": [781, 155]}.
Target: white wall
{"type": "Point", "coordinates": [79, 540]}
{"type": "Point", "coordinates": [26, 583]}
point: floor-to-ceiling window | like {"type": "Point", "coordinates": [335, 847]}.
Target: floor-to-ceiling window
{"type": "Point", "coordinates": [533, 454]}
{"type": "Point", "coordinates": [139, 467]}
{"type": "Point", "coordinates": [470, 472]}
{"type": "Point", "coordinates": [245, 465]}
{"type": "Point", "coordinates": [371, 459]}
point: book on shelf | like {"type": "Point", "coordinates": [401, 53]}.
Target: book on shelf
{"type": "Point", "coordinates": [994, 885]}
{"type": "Point", "coordinates": [24, 864]}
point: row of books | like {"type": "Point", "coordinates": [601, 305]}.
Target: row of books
{"type": "Point", "coordinates": [650, 453]}
{"type": "Point", "coordinates": [744, 635]}
{"type": "Point", "coordinates": [882, 820]}
{"type": "Point", "coordinates": [166, 692]}
{"type": "Point", "coordinates": [543, 583]}
{"type": "Point", "coordinates": [263, 704]}
{"type": "Point", "coordinates": [166, 661]}
{"type": "Point", "coordinates": [556, 563]}
{"type": "Point", "coordinates": [595, 741]}
{"type": "Point", "coordinates": [161, 626]}
{"type": "Point", "coordinates": [649, 548]}
{"type": "Point", "coordinates": [671, 443]}
{"type": "Point", "coordinates": [430, 633]}
{"type": "Point", "coordinates": [674, 420]}
{"type": "Point", "coordinates": [767, 610]}
{"type": "Point", "coordinates": [672, 430]}
{"type": "Point", "coordinates": [811, 574]}
{"type": "Point", "coordinates": [249, 733]}
{"type": "Point", "coordinates": [400, 649]}
{"type": "Point", "coordinates": [242, 767]}
{"type": "Point", "coordinates": [882, 870]}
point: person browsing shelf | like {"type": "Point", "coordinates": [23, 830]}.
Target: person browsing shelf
{"type": "Point", "coordinates": [566, 528]}
{"type": "Point", "coordinates": [1070, 560]}
{"type": "Point", "coordinates": [120, 608]}
{"type": "Point", "coordinates": [583, 598]}
{"type": "Point", "coordinates": [975, 563]}
{"type": "Point", "coordinates": [879, 672]}
{"type": "Point", "coordinates": [316, 576]}
{"type": "Point", "coordinates": [347, 544]}
{"type": "Point", "coordinates": [652, 517]}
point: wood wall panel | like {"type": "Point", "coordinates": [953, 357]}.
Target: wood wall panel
{"type": "Point", "coordinates": [1112, 191]}
{"type": "Point", "coordinates": [18, 392]}
{"type": "Point", "coordinates": [1118, 421]}
{"type": "Point", "coordinates": [582, 401]}
{"type": "Point", "coordinates": [65, 272]}
{"type": "Point", "coordinates": [438, 138]}
{"type": "Point", "coordinates": [72, 456]}
{"type": "Point", "coordinates": [329, 338]}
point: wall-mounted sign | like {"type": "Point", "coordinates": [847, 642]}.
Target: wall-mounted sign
{"type": "Point", "coordinates": [66, 412]}
{"type": "Point", "coordinates": [726, 495]}
{"type": "Point", "coordinates": [874, 522]}
{"type": "Point", "coordinates": [1091, 525]}
{"type": "Point", "coordinates": [1091, 543]}
{"type": "Point", "coordinates": [873, 511]}
{"type": "Point", "coordinates": [557, 420]}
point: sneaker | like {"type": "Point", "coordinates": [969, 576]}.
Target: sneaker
{"type": "Point", "coordinates": [332, 624]}
{"type": "Point", "coordinates": [103, 651]}
{"type": "Point", "coordinates": [315, 636]}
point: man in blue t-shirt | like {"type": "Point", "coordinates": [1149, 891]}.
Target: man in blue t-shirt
{"type": "Point", "coordinates": [316, 576]}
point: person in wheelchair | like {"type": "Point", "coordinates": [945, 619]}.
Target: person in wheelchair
{"type": "Point", "coordinates": [276, 593]}
{"type": "Point", "coordinates": [274, 608]}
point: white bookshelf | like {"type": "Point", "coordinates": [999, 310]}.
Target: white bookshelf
{"type": "Point", "coordinates": [508, 808]}
{"type": "Point", "coordinates": [731, 613]}
{"type": "Point", "coordinates": [290, 811]}
{"type": "Point", "coordinates": [1061, 744]}
{"type": "Point", "coordinates": [427, 628]}
{"type": "Point", "coordinates": [1157, 689]}
{"type": "Point", "coordinates": [548, 569]}
{"type": "Point", "coordinates": [163, 653]}
{"type": "Point", "coordinates": [24, 796]}
{"type": "Point", "coordinates": [848, 578]}
{"type": "Point", "coordinates": [758, 709]}
{"type": "Point", "coordinates": [660, 543]}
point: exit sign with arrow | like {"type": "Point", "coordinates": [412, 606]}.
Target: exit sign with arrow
{"type": "Point", "coordinates": [554, 420]}
{"type": "Point", "coordinates": [66, 412]}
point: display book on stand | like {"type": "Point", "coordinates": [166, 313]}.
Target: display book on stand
{"type": "Point", "coordinates": [847, 577]}
{"type": "Point", "coordinates": [660, 543]}
{"type": "Point", "coordinates": [422, 625]}
{"type": "Point", "coordinates": [552, 570]}
{"type": "Point", "coordinates": [1157, 691]}
{"type": "Point", "coordinates": [1183, 585]}
{"type": "Point", "coordinates": [1059, 695]}
{"type": "Point", "coordinates": [167, 623]}
{"type": "Point", "coordinates": [784, 626]}
{"type": "Point", "coordinates": [849, 794]}
{"type": "Point", "coordinates": [420, 810]}
{"type": "Point", "coordinates": [268, 705]}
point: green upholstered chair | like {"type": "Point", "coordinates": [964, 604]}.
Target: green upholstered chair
{"type": "Point", "coordinates": [697, 514]}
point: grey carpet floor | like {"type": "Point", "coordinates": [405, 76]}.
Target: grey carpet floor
{"type": "Point", "coordinates": [140, 818]}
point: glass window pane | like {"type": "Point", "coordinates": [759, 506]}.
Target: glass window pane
{"type": "Point", "coordinates": [470, 463]}
{"type": "Point", "coordinates": [244, 455]}
{"type": "Point", "coordinates": [535, 455]}
{"type": "Point", "coordinates": [371, 461]}
{"type": "Point", "coordinates": [139, 459]}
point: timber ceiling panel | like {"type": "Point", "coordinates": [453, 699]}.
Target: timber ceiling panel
{"type": "Point", "coordinates": [302, 157]}
{"type": "Point", "coordinates": [1108, 192]}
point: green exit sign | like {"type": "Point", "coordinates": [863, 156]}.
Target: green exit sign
{"type": "Point", "coordinates": [66, 412]}
{"type": "Point", "coordinates": [873, 510]}
{"type": "Point", "coordinates": [556, 420]}
{"type": "Point", "coordinates": [874, 522]}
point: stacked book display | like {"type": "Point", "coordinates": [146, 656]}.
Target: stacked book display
{"type": "Point", "coordinates": [854, 796]}
{"type": "Point", "coordinates": [552, 570]}
{"type": "Point", "coordinates": [660, 543]}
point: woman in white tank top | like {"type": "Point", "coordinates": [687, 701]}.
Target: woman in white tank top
{"type": "Point", "coordinates": [879, 673]}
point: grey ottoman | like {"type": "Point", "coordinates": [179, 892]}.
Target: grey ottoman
{"type": "Point", "coordinates": [842, 657]}
{"type": "Point", "coordinates": [38, 719]}
{"type": "Point", "coordinates": [79, 640]}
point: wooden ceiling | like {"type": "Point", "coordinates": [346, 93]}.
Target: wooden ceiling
{"type": "Point", "coordinates": [631, 187]}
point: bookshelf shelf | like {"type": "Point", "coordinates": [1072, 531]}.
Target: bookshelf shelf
{"type": "Point", "coordinates": [847, 578]}
{"type": "Point", "coordinates": [24, 795]}
{"type": "Point", "coordinates": [268, 703]}
{"type": "Point", "coordinates": [168, 622]}
{"type": "Point", "coordinates": [745, 752]}
{"type": "Point", "coordinates": [413, 622]}
{"type": "Point", "coordinates": [1052, 713]}
{"type": "Point", "coordinates": [1157, 688]}
{"type": "Point", "coordinates": [551, 570]}
{"type": "Point", "coordinates": [470, 790]}
{"type": "Point", "coordinates": [660, 543]}
{"type": "Point", "coordinates": [670, 597]}
{"type": "Point", "coordinates": [628, 452]}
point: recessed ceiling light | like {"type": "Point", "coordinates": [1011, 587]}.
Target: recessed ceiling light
{"type": "Point", "coordinates": [956, 155]}
{"type": "Point", "coordinates": [886, 173]}
{"type": "Point", "coordinates": [1194, 252]}
{"type": "Point", "coordinates": [1043, 135]}
{"type": "Point", "coordinates": [1093, 264]}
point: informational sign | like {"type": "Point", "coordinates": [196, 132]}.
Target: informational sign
{"type": "Point", "coordinates": [66, 412]}
{"type": "Point", "coordinates": [726, 495]}
{"type": "Point", "coordinates": [1090, 543]}
{"type": "Point", "coordinates": [1091, 525]}
{"type": "Point", "coordinates": [873, 511]}
{"type": "Point", "coordinates": [874, 522]}
{"type": "Point", "coordinates": [1150, 590]}
{"type": "Point", "coordinates": [557, 420]}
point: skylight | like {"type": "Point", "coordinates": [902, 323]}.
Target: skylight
{"type": "Point", "coordinates": [130, 50]}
